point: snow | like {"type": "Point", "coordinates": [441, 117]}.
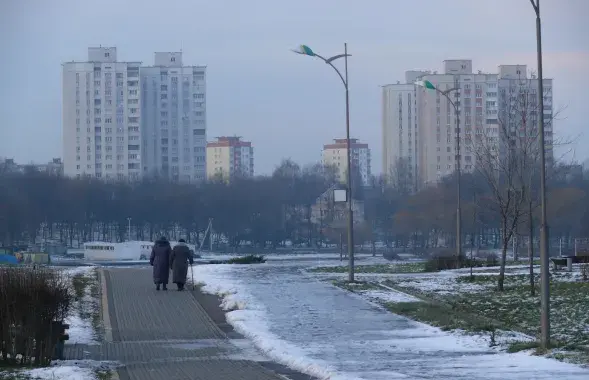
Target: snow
{"type": "Point", "coordinates": [81, 330]}
{"type": "Point", "coordinates": [248, 317]}
{"type": "Point", "coordinates": [306, 324]}
{"type": "Point", "coordinates": [390, 295]}
{"type": "Point", "coordinates": [70, 370]}
{"type": "Point", "coordinates": [61, 373]}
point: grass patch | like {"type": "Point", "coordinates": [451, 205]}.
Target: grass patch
{"type": "Point", "coordinates": [440, 316]}
{"type": "Point", "coordinates": [522, 346]}
{"type": "Point", "coordinates": [80, 282]}
{"type": "Point", "coordinates": [104, 375]}
{"type": "Point", "coordinates": [417, 267]}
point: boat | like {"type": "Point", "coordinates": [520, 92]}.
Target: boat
{"type": "Point", "coordinates": [125, 251]}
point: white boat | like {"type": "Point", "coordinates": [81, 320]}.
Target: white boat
{"type": "Point", "coordinates": [125, 251]}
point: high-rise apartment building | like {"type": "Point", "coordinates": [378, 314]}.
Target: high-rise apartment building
{"type": "Point", "coordinates": [228, 157]}
{"type": "Point", "coordinates": [101, 117]}
{"type": "Point", "coordinates": [173, 119]}
{"type": "Point", "coordinates": [419, 125]}
{"type": "Point", "coordinates": [336, 155]}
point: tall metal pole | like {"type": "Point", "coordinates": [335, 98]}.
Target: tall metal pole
{"type": "Point", "coordinates": [458, 186]}
{"type": "Point", "coordinates": [544, 254]}
{"type": "Point", "coordinates": [129, 228]}
{"type": "Point", "coordinates": [349, 179]}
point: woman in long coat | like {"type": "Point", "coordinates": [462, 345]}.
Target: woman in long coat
{"type": "Point", "coordinates": [179, 260]}
{"type": "Point", "coordinates": [160, 260]}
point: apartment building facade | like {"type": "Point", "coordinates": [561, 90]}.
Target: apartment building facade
{"type": "Point", "coordinates": [336, 153]}
{"type": "Point", "coordinates": [101, 117]}
{"type": "Point", "coordinates": [173, 119]}
{"type": "Point", "coordinates": [229, 156]}
{"type": "Point", "coordinates": [419, 124]}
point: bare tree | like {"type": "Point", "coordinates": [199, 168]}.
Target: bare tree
{"type": "Point", "coordinates": [400, 177]}
{"type": "Point", "coordinates": [507, 154]}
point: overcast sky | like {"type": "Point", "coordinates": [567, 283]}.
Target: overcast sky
{"type": "Point", "coordinates": [287, 105]}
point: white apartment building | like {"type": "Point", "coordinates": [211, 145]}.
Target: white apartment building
{"type": "Point", "coordinates": [229, 156]}
{"type": "Point", "coordinates": [173, 119]}
{"type": "Point", "coordinates": [101, 117]}
{"type": "Point", "coordinates": [336, 153]}
{"type": "Point", "coordinates": [419, 125]}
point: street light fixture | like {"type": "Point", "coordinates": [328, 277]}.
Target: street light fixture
{"type": "Point", "coordinates": [305, 50]}
{"type": "Point", "coordinates": [446, 93]}
{"type": "Point", "coordinates": [544, 254]}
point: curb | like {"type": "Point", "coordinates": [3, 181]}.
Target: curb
{"type": "Point", "coordinates": [104, 308]}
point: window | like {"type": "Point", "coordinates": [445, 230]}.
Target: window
{"type": "Point", "coordinates": [107, 54]}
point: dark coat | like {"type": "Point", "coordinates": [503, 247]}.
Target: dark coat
{"type": "Point", "coordinates": [179, 260]}
{"type": "Point", "coordinates": [160, 260]}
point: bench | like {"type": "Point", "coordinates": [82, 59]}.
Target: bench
{"type": "Point", "coordinates": [564, 261]}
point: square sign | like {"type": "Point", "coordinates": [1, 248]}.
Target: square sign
{"type": "Point", "coordinates": [340, 195]}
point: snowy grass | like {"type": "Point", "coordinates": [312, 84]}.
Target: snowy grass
{"type": "Point", "coordinates": [85, 320]}
{"type": "Point", "coordinates": [512, 309]}
{"type": "Point", "coordinates": [415, 267]}
{"type": "Point", "coordinates": [65, 370]}
{"type": "Point", "coordinates": [453, 301]}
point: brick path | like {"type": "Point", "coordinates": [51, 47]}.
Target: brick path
{"type": "Point", "coordinates": [165, 335]}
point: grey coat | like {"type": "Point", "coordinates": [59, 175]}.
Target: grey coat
{"type": "Point", "coordinates": [160, 260]}
{"type": "Point", "coordinates": [179, 260]}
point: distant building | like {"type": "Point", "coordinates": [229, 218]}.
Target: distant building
{"type": "Point", "coordinates": [228, 157]}
{"type": "Point", "coordinates": [173, 119]}
{"type": "Point", "coordinates": [336, 153]}
{"type": "Point", "coordinates": [328, 213]}
{"type": "Point", "coordinates": [101, 117]}
{"type": "Point", "coordinates": [53, 167]}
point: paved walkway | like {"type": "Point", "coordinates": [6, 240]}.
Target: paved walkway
{"type": "Point", "coordinates": [166, 335]}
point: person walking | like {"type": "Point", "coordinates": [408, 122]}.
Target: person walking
{"type": "Point", "coordinates": [160, 260]}
{"type": "Point", "coordinates": [179, 260]}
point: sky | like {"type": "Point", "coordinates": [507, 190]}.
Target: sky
{"type": "Point", "coordinates": [286, 104]}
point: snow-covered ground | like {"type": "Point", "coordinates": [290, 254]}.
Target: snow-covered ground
{"type": "Point", "coordinates": [69, 370]}
{"type": "Point", "coordinates": [309, 325]}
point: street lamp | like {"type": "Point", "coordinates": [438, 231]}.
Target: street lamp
{"type": "Point", "coordinates": [446, 93]}
{"type": "Point", "coordinates": [129, 228]}
{"type": "Point", "coordinates": [544, 265]}
{"type": "Point", "coordinates": [305, 50]}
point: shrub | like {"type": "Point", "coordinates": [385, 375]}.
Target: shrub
{"type": "Point", "coordinates": [443, 260]}
{"type": "Point", "coordinates": [31, 301]}
{"type": "Point", "coordinates": [249, 259]}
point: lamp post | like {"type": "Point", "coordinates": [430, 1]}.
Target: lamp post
{"type": "Point", "coordinates": [446, 93]}
{"type": "Point", "coordinates": [305, 50]}
{"type": "Point", "coordinates": [544, 256]}
{"type": "Point", "coordinates": [129, 228]}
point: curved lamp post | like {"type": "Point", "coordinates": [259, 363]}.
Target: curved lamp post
{"type": "Point", "coordinates": [446, 93]}
{"type": "Point", "coordinates": [305, 50]}
{"type": "Point", "coordinates": [544, 254]}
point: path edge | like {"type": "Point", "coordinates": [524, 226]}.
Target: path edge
{"type": "Point", "coordinates": [104, 307]}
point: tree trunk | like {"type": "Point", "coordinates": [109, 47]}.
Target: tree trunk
{"type": "Point", "coordinates": [503, 255]}
{"type": "Point", "coordinates": [531, 249]}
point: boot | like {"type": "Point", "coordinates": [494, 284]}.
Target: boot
{"type": "Point", "coordinates": [165, 287]}
{"type": "Point", "coordinates": [180, 287]}
{"type": "Point", "coordinates": [157, 286]}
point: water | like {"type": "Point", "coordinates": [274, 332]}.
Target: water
{"type": "Point", "coordinates": [314, 326]}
